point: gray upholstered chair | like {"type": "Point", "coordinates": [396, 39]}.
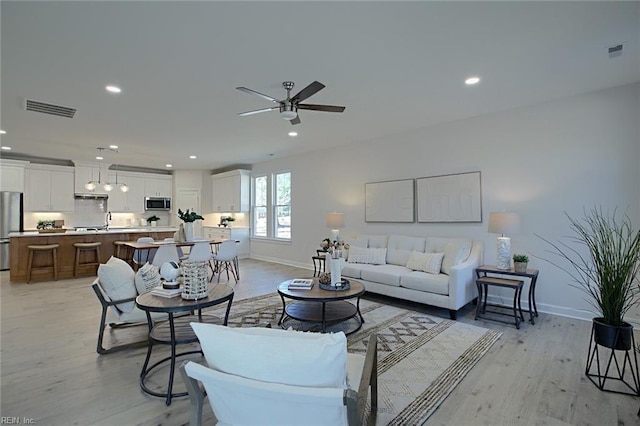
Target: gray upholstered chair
{"type": "Point", "coordinates": [272, 376]}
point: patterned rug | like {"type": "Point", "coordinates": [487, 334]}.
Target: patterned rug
{"type": "Point", "coordinates": [421, 358]}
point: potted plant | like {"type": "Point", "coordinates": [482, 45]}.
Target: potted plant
{"type": "Point", "coordinates": [188, 218]}
{"type": "Point", "coordinates": [520, 262]}
{"type": "Point", "coordinates": [225, 220]}
{"type": "Point", "coordinates": [608, 273]}
{"type": "Point", "coordinates": [153, 220]}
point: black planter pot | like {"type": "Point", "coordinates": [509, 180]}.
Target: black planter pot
{"type": "Point", "coordinates": [613, 337]}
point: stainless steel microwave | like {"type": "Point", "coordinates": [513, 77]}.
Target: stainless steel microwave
{"type": "Point", "coordinates": [157, 203]}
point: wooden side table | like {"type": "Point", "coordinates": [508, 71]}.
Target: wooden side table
{"type": "Point", "coordinates": [483, 288]}
{"type": "Point", "coordinates": [531, 274]}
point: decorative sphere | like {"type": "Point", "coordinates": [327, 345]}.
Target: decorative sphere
{"type": "Point", "coordinates": [170, 271]}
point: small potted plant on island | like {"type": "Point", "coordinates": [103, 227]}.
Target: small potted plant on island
{"type": "Point", "coordinates": [227, 220]}
{"type": "Point", "coordinates": [153, 220]}
{"type": "Point", "coordinates": [520, 262]}
{"type": "Point", "coordinates": [188, 218]}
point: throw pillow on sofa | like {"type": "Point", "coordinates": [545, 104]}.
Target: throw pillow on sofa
{"type": "Point", "coordinates": [373, 256]}
{"type": "Point", "coordinates": [147, 278]}
{"type": "Point", "coordinates": [455, 253]}
{"type": "Point", "coordinates": [117, 280]}
{"type": "Point", "coordinates": [426, 262]}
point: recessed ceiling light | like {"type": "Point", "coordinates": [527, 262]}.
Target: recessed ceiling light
{"type": "Point", "coordinates": [99, 157]}
{"type": "Point", "coordinates": [3, 132]}
{"type": "Point", "coordinates": [472, 80]}
{"type": "Point", "coordinates": [113, 89]}
{"type": "Point", "coordinates": [6, 148]}
{"type": "Point", "coordinates": [292, 134]}
{"type": "Point", "coordinates": [113, 146]}
{"type": "Point", "coordinates": [193, 157]}
{"type": "Point", "coordinates": [168, 165]}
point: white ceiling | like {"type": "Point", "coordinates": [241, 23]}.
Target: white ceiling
{"type": "Point", "coordinates": [396, 66]}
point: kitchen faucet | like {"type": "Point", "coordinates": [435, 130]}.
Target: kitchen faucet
{"type": "Point", "coordinates": [107, 218]}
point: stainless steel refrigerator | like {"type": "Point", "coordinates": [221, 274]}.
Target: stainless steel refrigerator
{"type": "Point", "coordinates": [11, 220]}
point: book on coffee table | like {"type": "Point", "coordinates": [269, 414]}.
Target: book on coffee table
{"type": "Point", "coordinates": [164, 292]}
{"type": "Point", "coordinates": [301, 284]}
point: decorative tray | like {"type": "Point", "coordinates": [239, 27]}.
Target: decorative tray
{"type": "Point", "coordinates": [52, 231]}
{"type": "Point", "coordinates": [344, 286]}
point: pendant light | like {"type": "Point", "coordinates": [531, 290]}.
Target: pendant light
{"type": "Point", "coordinates": [106, 185]}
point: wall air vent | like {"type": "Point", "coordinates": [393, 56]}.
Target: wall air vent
{"type": "Point", "coordinates": [45, 108]}
{"type": "Point", "coordinates": [614, 51]}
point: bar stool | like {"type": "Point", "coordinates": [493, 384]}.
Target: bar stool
{"type": "Point", "coordinates": [80, 247]}
{"type": "Point", "coordinates": [43, 248]}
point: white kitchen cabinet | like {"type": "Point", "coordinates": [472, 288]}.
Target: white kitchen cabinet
{"type": "Point", "coordinates": [84, 174]}
{"type": "Point", "coordinates": [238, 234]}
{"type": "Point", "coordinates": [12, 175]}
{"type": "Point", "coordinates": [131, 201]}
{"type": "Point", "coordinates": [49, 189]}
{"type": "Point", "coordinates": [160, 186]}
{"type": "Point", "coordinates": [231, 191]}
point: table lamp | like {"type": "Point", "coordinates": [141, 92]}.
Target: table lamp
{"type": "Point", "coordinates": [335, 221]}
{"type": "Point", "coordinates": [504, 223]}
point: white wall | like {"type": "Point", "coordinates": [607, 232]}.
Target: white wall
{"type": "Point", "coordinates": [541, 161]}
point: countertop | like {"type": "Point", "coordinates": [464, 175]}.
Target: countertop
{"type": "Point", "coordinates": [113, 230]}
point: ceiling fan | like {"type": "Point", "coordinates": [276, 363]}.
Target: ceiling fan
{"type": "Point", "coordinates": [289, 107]}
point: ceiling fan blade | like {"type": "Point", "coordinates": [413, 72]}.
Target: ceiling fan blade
{"type": "Point", "coordinates": [326, 108]}
{"type": "Point", "coordinates": [296, 120]}
{"type": "Point", "coordinates": [257, 111]}
{"type": "Point", "coordinates": [310, 90]}
{"type": "Point", "coordinates": [253, 92]}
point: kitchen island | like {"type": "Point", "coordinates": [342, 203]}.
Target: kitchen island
{"type": "Point", "coordinates": [66, 253]}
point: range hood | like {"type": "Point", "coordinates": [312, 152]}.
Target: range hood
{"type": "Point", "coordinates": [90, 196]}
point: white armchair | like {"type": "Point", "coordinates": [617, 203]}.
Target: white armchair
{"type": "Point", "coordinates": [276, 377]}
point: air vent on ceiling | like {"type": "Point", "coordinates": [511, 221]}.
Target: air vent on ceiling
{"type": "Point", "coordinates": [614, 51]}
{"type": "Point", "coordinates": [45, 108]}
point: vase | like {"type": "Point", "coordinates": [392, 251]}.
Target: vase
{"type": "Point", "coordinates": [520, 267]}
{"type": "Point", "coordinates": [335, 267]}
{"type": "Point", "coordinates": [188, 231]}
{"type": "Point", "coordinates": [613, 337]}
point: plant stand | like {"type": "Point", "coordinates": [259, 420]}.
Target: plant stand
{"type": "Point", "coordinates": [624, 370]}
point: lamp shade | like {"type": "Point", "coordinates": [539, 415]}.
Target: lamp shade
{"type": "Point", "coordinates": [504, 223]}
{"type": "Point", "coordinates": [335, 220]}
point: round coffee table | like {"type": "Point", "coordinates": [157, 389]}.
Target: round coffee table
{"type": "Point", "coordinates": [327, 308]}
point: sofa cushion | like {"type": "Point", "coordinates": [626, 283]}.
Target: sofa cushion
{"type": "Point", "coordinates": [457, 252]}
{"type": "Point", "coordinates": [374, 256]}
{"type": "Point", "coordinates": [423, 281]}
{"type": "Point", "coordinates": [425, 262]}
{"type": "Point", "coordinates": [360, 241]}
{"type": "Point", "coordinates": [378, 241]}
{"type": "Point", "coordinates": [354, 270]}
{"type": "Point", "coordinates": [117, 280]}
{"type": "Point", "coordinates": [399, 248]}
{"type": "Point", "coordinates": [277, 356]}
{"type": "Point", "coordinates": [385, 274]}
{"type": "Point", "coordinates": [147, 278]}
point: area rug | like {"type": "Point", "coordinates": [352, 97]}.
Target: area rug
{"type": "Point", "coordinates": [421, 358]}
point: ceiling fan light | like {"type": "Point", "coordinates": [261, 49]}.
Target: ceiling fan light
{"type": "Point", "coordinates": [288, 115]}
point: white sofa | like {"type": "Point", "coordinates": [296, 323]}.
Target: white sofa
{"type": "Point", "coordinates": [451, 288]}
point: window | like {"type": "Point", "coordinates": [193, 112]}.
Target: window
{"type": "Point", "coordinates": [271, 207]}
{"type": "Point", "coordinates": [260, 206]}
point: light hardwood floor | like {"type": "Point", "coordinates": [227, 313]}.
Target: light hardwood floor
{"type": "Point", "coordinates": [51, 373]}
